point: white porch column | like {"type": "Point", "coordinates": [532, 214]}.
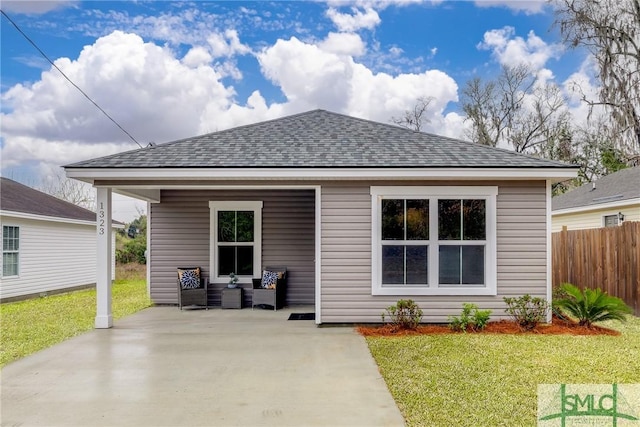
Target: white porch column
{"type": "Point", "coordinates": [104, 317]}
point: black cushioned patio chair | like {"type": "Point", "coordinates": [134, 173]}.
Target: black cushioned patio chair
{"type": "Point", "coordinates": [271, 289]}
{"type": "Point", "coordinates": [192, 287]}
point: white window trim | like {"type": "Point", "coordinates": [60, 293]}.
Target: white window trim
{"type": "Point", "coordinates": [256, 207]}
{"type": "Point", "coordinates": [3, 252]}
{"type": "Point", "coordinates": [488, 193]}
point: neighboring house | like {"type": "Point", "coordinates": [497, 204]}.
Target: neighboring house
{"type": "Point", "coordinates": [48, 245]}
{"type": "Point", "coordinates": [362, 214]}
{"type": "Point", "coordinates": [603, 203]}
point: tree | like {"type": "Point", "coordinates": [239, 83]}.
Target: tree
{"type": "Point", "coordinates": [72, 191]}
{"type": "Point", "coordinates": [132, 249]}
{"type": "Point", "coordinates": [415, 118]}
{"type": "Point", "coordinates": [518, 110]}
{"type": "Point", "coordinates": [610, 31]}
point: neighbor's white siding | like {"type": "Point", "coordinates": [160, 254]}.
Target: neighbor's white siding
{"type": "Point", "coordinates": [346, 254]}
{"type": "Point", "coordinates": [53, 256]}
{"type": "Point", "coordinates": [592, 219]}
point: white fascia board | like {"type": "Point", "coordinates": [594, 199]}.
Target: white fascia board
{"type": "Point", "coordinates": [600, 206]}
{"type": "Point", "coordinates": [173, 174]}
{"type": "Point", "coordinates": [35, 217]}
{"type": "Point", "coordinates": [137, 192]}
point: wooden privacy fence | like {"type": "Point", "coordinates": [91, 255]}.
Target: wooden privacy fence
{"type": "Point", "coordinates": [606, 258]}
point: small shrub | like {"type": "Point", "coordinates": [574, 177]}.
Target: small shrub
{"type": "Point", "coordinates": [527, 311]}
{"type": "Point", "coordinates": [470, 318]}
{"type": "Point", "coordinates": [404, 315]}
{"type": "Point", "coordinates": [556, 295]}
{"type": "Point", "coordinates": [589, 306]}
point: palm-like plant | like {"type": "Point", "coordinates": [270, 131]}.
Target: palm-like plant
{"type": "Point", "coordinates": [589, 306]}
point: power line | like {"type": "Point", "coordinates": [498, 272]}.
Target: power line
{"type": "Point", "coordinates": [68, 79]}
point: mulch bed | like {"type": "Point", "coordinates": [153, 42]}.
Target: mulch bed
{"type": "Point", "coordinates": [557, 327]}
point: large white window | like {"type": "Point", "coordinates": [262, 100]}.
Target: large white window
{"type": "Point", "coordinates": [10, 250]}
{"type": "Point", "coordinates": [434, 240]}
{"type": "Point", "coordinates": [236, 239]}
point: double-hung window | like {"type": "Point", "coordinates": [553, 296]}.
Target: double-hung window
{"type": "Point", "coordinates": [10, 250]}
{"type": "Point", "coordinates": [434, 240]}
{"type": "Point", "coordinates": [236, 230]}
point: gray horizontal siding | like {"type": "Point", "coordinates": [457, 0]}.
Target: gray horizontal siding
{"type": "Point", "coordinates": [346, 253]}
{"type": "Point", "coordinates": [180, 236]}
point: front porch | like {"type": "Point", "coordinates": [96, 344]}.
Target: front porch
{"type": "Point", "coordinates": [183, 228]}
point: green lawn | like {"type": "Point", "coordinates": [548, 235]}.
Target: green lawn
{"type": "Point", "coordinates": [491, 380]}
{"type": "Point", "coordinates": [32, 325]}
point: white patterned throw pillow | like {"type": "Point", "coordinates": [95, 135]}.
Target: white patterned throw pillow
{"type": "Point", "coordinates": [269, 279]}
{"type": "Point", "coordinates": [189, 277]}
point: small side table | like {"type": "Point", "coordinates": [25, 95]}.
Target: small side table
{"type": "Point", "coordinates": [232, 297]}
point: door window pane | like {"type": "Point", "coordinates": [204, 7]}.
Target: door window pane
{"type": "Point", "coordinates": [392, 219]}
{"type": "Point", "coordinates": [392, 265]}
{"type": "Point", "coordinates": [449, 264]}
{"type": "Point", "coordinates": [449, 219]}
{"type": "Point", "coordinates": [417, 220]}
{"type": "Point", "coordinates": [417, 261]}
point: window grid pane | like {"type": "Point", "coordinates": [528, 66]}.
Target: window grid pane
{"type": "Point", "coordinates": [449, 219]}
{"type": "Point", "coordinates": [417, 219]}
{"type": "Point", "coordinates": [226, 226]}
{"type": "Point", "coordinates": [474, 220]}
{"type": "Point", "coordinates": [10, 248]}
{"type": "Point", "coordinates": [393, 219]}
{"type": "Point", "coordinates": [9, 264]}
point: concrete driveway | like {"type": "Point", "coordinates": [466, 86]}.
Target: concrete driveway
{"type": "Point", "coordinates": [164, 367]}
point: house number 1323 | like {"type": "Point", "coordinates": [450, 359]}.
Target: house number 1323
{"type": "Point", "coordinates": [101, 216]}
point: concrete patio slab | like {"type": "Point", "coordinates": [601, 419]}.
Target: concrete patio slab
{"type": "Point", "coordinates": [166, 367]}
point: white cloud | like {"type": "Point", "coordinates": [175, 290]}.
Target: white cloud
{"type": "Point", "coordinates": [312, 78]}
{"type": "Point", "coordinates": [197, 56]}
{"type": "Point", "coordinates": [529, 7]}
{"type": "Point", "coordinates": [226, 45]}
{"type": "Point", "coordinates": [356, 21]}
{"type": "Point", "coordinates": [343, 44]}
{"type": "Point", "coordinates": [142, 86]}
{"type": "Point", "coordinates": [511, 50]}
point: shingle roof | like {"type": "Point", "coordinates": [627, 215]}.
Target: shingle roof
{"type": "Point", "coordinates": [319, 139]}
{"type": "Point", "coordinates": [16, 197]}
{"type": "Point", "coordinates": [619, 186]}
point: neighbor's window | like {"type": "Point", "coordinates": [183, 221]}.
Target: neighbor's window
{"type": "Point", "coordinates": [10, 250]}
{"type": "Point", "coordinates": [611, 220]}
{"type": "Point", "coordinates": [235, 240]}
{"type": "Point", "coordinates": [434, 240]}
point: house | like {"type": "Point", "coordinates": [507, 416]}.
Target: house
{"type": "Point", "coordinates": [603, 203]}
{"type": "Point", "coordinates": [48, 244]}
{"type": "Point", "coordinates": [361, 213]}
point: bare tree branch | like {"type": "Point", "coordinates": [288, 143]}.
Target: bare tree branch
{"type": "Point", "coordinates": [416, 117]}
{"type": "Point", "coordinates": [610, 30]}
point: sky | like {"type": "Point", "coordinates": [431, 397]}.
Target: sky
{"type": "Point", "coordinates": [169, 70]}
